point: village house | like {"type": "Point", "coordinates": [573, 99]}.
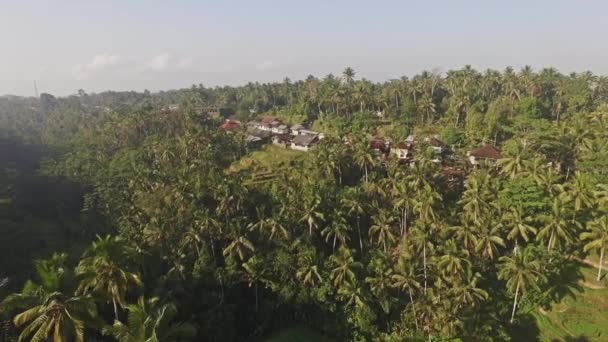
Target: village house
{"type": "Point", "coordinates": [231, 125]}
{"type": "Point", "coordinates": [297, 129]}
{"type": "Point", "coordinates": [403, 150]}
{"type": "Point", "coordinates": [380, 146]}
{"type": "Point", "coordinates": [279, 129]}
{"type": "Point", "coordinates": [304, 142]}
{"type": "Point", "coordinates": [283, 140]}
{"type": "Point", "coordinates": [454, 175]}
{"type": "Point", "coordinates": [486, 154]}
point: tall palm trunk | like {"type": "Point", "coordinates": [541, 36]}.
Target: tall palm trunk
{"type": "Point", "coordinates": [515, 303]}
{"type": "Point", "coordinates": [413, 307]}
{"type": "Point", "coordinates": [424, 264]}
{"type": "Point", "coordinates": [256, 296]}
{"type": "Point", "coordinates": [115, 308]}
{"type": "Point", "coordinates": [359, 230]}
{"type": "Point", "coordinates": [599, 271]}
{"type": "Point", "coordinates": [334, 246]}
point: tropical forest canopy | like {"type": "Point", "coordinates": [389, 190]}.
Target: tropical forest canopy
{"type": "Point", "coordinates": [124, 217]}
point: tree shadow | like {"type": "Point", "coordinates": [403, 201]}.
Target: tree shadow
{"type": "Point", "coordinates": [565, 283]}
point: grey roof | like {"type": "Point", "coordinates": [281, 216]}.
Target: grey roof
{"type": "Point", "coordinates": [297, 127]}
{"type": "Point", "coordinates": [305, 140]}
{"type": "Point", "coordinates": [259, 133]}
{"type": "Point", "coordinates": [282, 127]}
{"type": "Point", "coordinates": [309, 132]}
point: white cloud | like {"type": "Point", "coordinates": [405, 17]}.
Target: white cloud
{"type": "Point", "coordinates": [159, 63]}
{"type": "Point", "coordinates": [97, 63]}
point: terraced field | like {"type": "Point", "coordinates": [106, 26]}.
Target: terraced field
{"type": "Point", "coordinates": [582, 319]}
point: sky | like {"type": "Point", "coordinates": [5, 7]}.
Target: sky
{"type": "Point", "coordinates": [97, 45]}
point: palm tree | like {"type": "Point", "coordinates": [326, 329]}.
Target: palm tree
{"type": "Point", "coordinates": [104, 270]}
{"type": "Point", "coordinates": [579, 191]}
{"type": "Point", "coordinates": [312, 216]}
{"type": "Point", "coordinates": [476, 200]}
{"type": "Point", "coordinates": [597, 234]}
{"type": "Point", "coordinates": [520, 273]}
{"type": "Point", "coordinates": [149, 321]}
{"type": "Point", "coordinates": [50, 316]}
{"type": "Point", "coordinates": [489, 239]}
{"type": "Point", "coordinates": [452, 263]}
{"type": "Point", "coordinates": [363, 156]}
{"type": "Point", "coordinates": [344, 267]}
{"type": "Point", "coordinates": [518, 226]}
{"type": "Point", "coordinates": [382, 229]}
{"type": "Point", "coordinates": [514, 163]}
{"type": "Point", "coordinates": [352, 203]}
{"type": "Point", "coordinates": [241, 247]}
{"type": "Point", "coordinates": [254, 273]}
{"type": "Point", "coordinates": [556, 227]}
{"type": "Point", "coordinates": [337, 231]}
{"type": "Point", "coordinates": [404, 279]}
{"type": "Point", "coordinates": [348, 75]}
{"type": "Point", "coordinates": [467, 292]}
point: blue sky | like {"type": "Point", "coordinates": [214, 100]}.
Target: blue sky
{"type": "Point", "coordinates": [134, 44]}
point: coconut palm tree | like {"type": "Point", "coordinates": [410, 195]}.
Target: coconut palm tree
{"type": "Point", "coordinates": [477, 198]}
{"type": "Point", "coordinates": [518, 225]}
{"type": "Point", "coordinates": [348, 75]}
{"type": "Point", "coordinates": [352, 202]}
{"type": "Point", "coordinates": [338, 230]}
{"type": "Point", "coordinates": [489, 239]}
{"type": "Point", "coordinates": [50, 316]}
{"type": "Point", "coordinates": [556, 229]}
{"type": "Point", "coordinates": [241, 247]}
{"type": "Point", "coordinates": [513, 164]}
{"type": "Point", "coordinates": [452, 263]}
{"type": "Point", "coordinates": [149, 321]}
{"type": "Point", "coordinates": [579, 191]}
{"type": "Point", "coordinates": [404, 278]}
{"type": "Point", "coordinates": [344, 267]}
{"type": "Point", "coordinates": [597, 237]}
{"type": "Point", "coordinates": [467, 292]}
{"type": "Point", "coordinates": [521, 274]}
{"type": "Point", "coordinates": [312, 215]}
{"type": "Point", "coordinates": [363, 156]}
{"type": "Point", "coordinates": [105, 270]}
{"type": "Point", "coordinates": [382, 229]}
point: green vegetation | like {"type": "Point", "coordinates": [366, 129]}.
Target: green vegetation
{"type": "Point", "coordinates": [580, 316]}
{"type": "Point", "coordinates": [269, 157]}
{"type": "Point", "coordinates": [134, 216]}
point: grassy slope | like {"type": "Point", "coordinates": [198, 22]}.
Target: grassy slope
{"type": "Point", "coordinates": [582, 319]}
{"type": "Point", "coordinates": [268, 157]}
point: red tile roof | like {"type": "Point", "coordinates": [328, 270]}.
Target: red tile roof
{"type": "Point", "coordinates": [487, 152]}
{"type": "Point", "coordinates": [231, 125]}
{"type": "Point", "coordinates": [268, 120]}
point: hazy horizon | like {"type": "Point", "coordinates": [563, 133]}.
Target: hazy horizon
{"type": "Point", "coordinates": [68, 45]}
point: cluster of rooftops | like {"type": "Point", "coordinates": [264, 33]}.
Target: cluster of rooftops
{"type": "Point", "coordinates": [269, 128]}
{"type": "Point", "coordinates": [300, 138]}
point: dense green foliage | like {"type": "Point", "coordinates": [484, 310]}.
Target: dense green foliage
{"type": "Point", "coordinates": [195, 244]}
